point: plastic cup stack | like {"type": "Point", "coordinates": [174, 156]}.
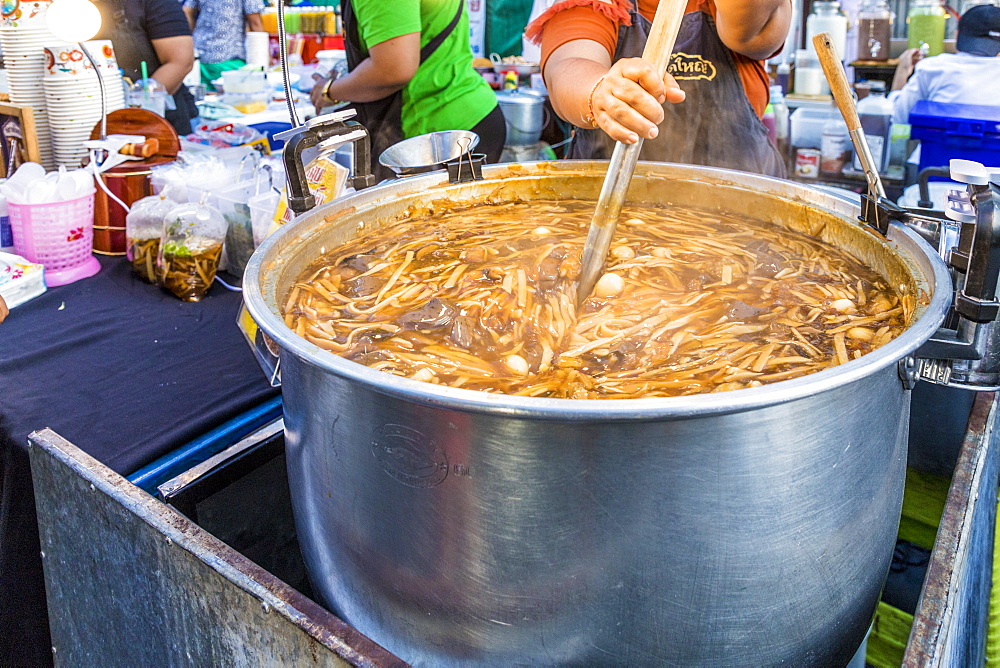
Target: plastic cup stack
{"type": "Point", "coordinates": [258, 49]}
{"type": "Point", "coordinates": [73, 95]}
{"type": "Point", "coordinates": [23, 34]}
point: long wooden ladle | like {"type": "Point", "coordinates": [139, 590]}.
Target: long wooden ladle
{"type": "Point", "coordinates": [659, 45]}
{"type": "Point", "coordinates": [841, 89]}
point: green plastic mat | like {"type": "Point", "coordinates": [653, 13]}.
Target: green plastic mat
{"type": "Point", "coordinates": [993, 629]}
{"type": "Point", "coordinates": [887, 640]}
{"type": "Point", "coordinates": [924, 496]}
{"type": "Point", "coordinates": [923, 503]}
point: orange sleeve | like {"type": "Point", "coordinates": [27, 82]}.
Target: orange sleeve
{"type": "Point", "coordinates": [597, 21]}
{"type": "Point", "coordinates": [756, 82]}
{"type": "Point", "coordinates": [569, 20]}
{"type": "Point", "coordinates": [578, 23]}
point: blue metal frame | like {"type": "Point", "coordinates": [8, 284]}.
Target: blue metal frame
{"type": "Point", "coordinates": [193, 453]}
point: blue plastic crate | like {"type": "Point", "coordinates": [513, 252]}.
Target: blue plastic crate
{"type": "Point", "coordinates": [270, 129]}
{"type": "Point", "coordinates": [946, 131]}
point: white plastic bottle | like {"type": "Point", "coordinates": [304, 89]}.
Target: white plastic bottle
{"type": "Point", "coordinates": [780, 117]}
{"type": "Point", "coordinates": [875, 113]}
{"type": "Point", "coordinates": [6, 233]}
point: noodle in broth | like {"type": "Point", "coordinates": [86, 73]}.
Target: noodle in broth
{"type": "Point", "coordinates": [483, 298]}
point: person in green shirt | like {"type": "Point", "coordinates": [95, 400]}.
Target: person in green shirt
{"type": "Point", "coordinates": [410, 72]}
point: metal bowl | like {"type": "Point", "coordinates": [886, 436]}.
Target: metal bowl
{"type": "Point", "coordinates": [425, 153]}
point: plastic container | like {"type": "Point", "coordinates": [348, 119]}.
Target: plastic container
{"type": "Point", "coordinates": [925, 25]}
{"type": "Point", "coordinates": [234, 205]}
{"type": "Point", "coordinates": [806, 127]}
{"type": "Point", "coordinates": [150, 94]}
{"type": "Point", "coordinates": [143, 229]}
{"type": "Point", "coordinates": [809, 77]}
{"type": "Point", "coordinates": [875, 113]}
{"type": "Point", "coordinates": [946, 131]}
{"type": "Point", "coordinates": [246, 90]}
{"type": "Point", "coordinates": [835, 145]}
{"type": "Point", "coordinates": [874, 30]}
{"type": "Point", "coordinates": [57, 235]}
{"type": "Point", "coordinates": [190, 249]}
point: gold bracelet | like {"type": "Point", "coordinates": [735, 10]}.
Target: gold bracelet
{"type": "Point", "coordinates": [589, 117]}
{"type": "Point", "coordinates": [326, 90]}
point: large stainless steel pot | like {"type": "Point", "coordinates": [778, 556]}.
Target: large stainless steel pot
{"type": "Point", "coordinates": [741, 528]}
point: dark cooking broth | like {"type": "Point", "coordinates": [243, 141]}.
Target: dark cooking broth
{"type": "Point", "coordinates": [483, 298]}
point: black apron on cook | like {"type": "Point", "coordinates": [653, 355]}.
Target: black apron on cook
{"type": "Point", "coordinates": [715, 125]}
{"type": "Point", "coordinates": [132, 47]}
{"type": "Point", "coordinates": [383, 118]}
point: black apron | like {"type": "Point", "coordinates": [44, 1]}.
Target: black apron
{"type": "Point", "coordinates": [132, 47]}
{"type": "Point", "coordinates": [383, 118]}
{"type": "Point", "coordinates": [715, 125]}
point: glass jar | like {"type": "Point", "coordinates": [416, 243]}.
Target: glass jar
{"type": "Point", "coordinates": [874, 30]}
{"type": "Point", "coordinates": [827, 17]}
{"type": "Point", "coordinates": [925, 25]}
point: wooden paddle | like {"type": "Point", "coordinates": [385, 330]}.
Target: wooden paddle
{"type": "Point", "coordinates": [659, 45]}
{"type": "Point", "coordinates": [842, 95]}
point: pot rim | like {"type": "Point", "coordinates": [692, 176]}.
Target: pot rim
{"type": "Point", "coordinates": [603, 410]}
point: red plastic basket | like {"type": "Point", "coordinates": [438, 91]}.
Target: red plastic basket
{"type": "Point", "coordinates": [57, 235]}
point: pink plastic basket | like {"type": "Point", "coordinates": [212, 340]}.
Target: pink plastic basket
{"type": "Point", "coordinates": [59, 236]}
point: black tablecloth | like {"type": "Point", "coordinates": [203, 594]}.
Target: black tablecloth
{"type": "Point", "coordinates": [126, 372]}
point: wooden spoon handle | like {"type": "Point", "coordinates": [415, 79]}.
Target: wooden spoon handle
{"type": "Point", "coordinates": [837, 78]}
{"type": "Point", "coordinates": [663, 33]}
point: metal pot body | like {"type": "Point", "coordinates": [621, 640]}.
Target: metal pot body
{"type": "Point", "coordinates": [752, 527]}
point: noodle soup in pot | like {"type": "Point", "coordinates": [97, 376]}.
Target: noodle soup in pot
{"type": "Point", "coordinates": [483, 298]}
{"type": "Point", "coordinates": [466, 491]}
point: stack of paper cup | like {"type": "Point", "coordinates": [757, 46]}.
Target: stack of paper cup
{"type": "Point", "coordinates": [73, 95]}
{"type": "Point", "coordinates": [258, 49]}
{"type": "Point", "coordinates": [23, 33]}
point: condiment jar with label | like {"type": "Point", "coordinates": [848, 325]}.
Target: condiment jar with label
{"type": "Point", "coordinates": [835, 145]}
{"type": "Point", "coordinates": [874, 30]}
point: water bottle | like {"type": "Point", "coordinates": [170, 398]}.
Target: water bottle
{"type": "Point", "coordinates": [6, 232]}
{"type": "Point", "coordinates": [875, 113]}
{"type": "Point", "coordinates": [780, 119]}
{"type": "Point", "coordinates": [768, 120]}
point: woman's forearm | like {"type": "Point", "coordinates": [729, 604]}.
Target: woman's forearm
{"type": "Point", "coordinates": [569, 81]}
{"type": "Point", "coordinates": [364, 84]}
{"type": "Point", "coordinates": [176, 55]}
{"type": "Point", "coordinates": [171, 75]}
{"type": "Point", "coordinates": [388, 68]}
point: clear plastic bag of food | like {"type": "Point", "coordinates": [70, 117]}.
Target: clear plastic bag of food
{"type": "Point", "coordinates": [234, 204]}
{"type": "Point", "coordinates": [143, 229]}
{"type": "Point", "coordinates": [190, 249]}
